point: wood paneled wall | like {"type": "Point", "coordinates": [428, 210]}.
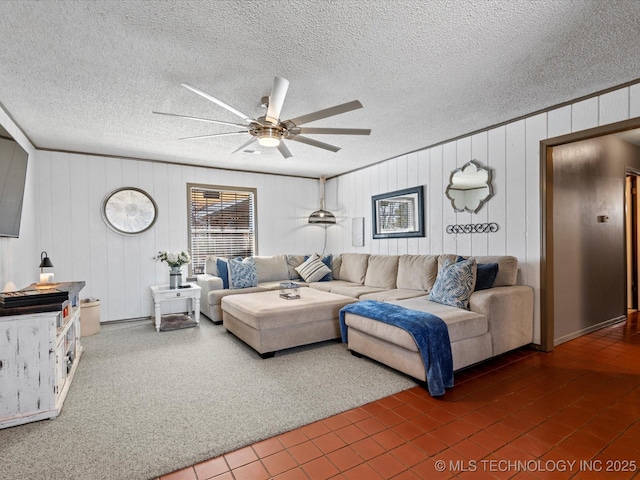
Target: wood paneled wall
{"type": "Point", "coordinates": [120, 269]}
{"type": "Point", "coordinates": [511, 150]}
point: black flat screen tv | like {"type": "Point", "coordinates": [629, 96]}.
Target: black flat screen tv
{"type": "Point", "coordinates": [13, 175]}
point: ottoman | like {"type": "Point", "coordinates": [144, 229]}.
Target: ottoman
{"type": "Point", "coordinates": [269, 323]}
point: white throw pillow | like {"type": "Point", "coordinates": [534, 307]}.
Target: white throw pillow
{"type": "Point", "coordinates": [312, 270]}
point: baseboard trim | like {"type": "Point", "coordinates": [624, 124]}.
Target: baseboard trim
{"type": "Point", "coordinates": [590, 329]}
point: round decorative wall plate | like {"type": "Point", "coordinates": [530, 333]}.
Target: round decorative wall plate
{"type": "Point", "coordinates": [129, 211]}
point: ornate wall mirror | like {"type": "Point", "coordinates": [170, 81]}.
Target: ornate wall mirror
{"type": "Point", "coordinates": [470, 187]}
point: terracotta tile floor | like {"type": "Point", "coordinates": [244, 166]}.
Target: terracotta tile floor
{"type": "Point", "coordinates": [570, 413]}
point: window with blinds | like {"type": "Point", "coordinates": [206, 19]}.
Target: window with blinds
{"type": "Point", "coordinates": [221, 223]}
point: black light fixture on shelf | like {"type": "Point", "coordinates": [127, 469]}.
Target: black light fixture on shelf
{"type": "Point", "coordinates": [322, 216]}
{"type": "Point", "coordinates": [45, 262]}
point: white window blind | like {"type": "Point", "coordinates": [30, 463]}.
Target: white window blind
{"type": "Point", "coordinates": [221, 223]}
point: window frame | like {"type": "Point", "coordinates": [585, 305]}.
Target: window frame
{"type": "Point", "coordinates": [220, 188]}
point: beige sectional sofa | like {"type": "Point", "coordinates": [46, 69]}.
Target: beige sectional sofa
{"type": "Point", "coordinates": [498, 319]}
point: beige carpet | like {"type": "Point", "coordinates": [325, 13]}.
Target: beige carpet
{"type": "Point", "coordinates": [145, 403]}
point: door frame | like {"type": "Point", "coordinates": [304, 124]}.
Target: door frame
{"type": "Point", "coordinates": [632, 238]}
{"type": "Point", "coordinates": [546, 208]}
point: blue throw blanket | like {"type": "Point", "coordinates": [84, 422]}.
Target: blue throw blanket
{"type": "Point", "coordinates": [429, 332]}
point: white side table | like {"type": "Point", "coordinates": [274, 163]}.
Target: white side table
{"type": "Point", "coordinates": [161, 293]}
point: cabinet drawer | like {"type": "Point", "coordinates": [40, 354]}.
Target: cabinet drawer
{"type": "Point", "coordinates": [177, 293]}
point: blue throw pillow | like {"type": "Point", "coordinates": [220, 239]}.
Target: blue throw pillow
{"type": "Point", "coordinates": [327, 259]}
{"type": "Point", "coordinates": [223, 271]}
{"type": "Point", "coordinates": [242, 273]}
{"type": "Point", "coordinates": [455, 283]}
{"type": "Point", "coordinates": [486, 274]}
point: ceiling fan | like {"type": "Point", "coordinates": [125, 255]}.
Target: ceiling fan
{"type": "Point", "coordinates": [268, 130]}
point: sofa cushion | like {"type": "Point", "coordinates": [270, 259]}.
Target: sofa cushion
{"type": "Point", "coordinates": [215, 296]}
{"type": "Point", "coordinates": [455, 283]}
{"type": "Point", "coordinates": [271, 268]}
{"type": "Point", "coordinates": [392, 295]}
{"type": "Point", "coordinates": [417, 272]}
{"type": "Point", "coordinates": [336, 263]}
{"type": "Point", "coordinates": [462, 324]}
{"type": "Point", "coordinates": [242, 273]}
{"type": "Point", "coordinates": [382, 271]}
{"type": "Point", "coordinates": [507, 269]}
{"type": "Point", "coordinates": [294, 261]}
{"type": "Point", "coordinates": [329, 286]}
{"type": "Point", "coordinates": [354, 267]}
{"type": "Point", "coordinates": [312, 270]}
{"type": "Point", "coordinates": [355, 291]}
{"type": "Point", "coordinates": [210, 266]}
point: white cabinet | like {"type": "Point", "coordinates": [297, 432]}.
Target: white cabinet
{"type": "Point", "coordinates": [39, 355]}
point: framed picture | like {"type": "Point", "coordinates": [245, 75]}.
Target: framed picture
{"type": "Point", "coordinates": [398, 214]}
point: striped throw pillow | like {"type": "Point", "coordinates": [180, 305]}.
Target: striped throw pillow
{"type": "Point", "coordinates": [312, 270]}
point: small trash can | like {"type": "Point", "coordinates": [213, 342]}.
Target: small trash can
{"type": "Point", "coordinates": [89, 316]}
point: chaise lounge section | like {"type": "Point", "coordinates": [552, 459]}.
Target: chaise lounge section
{"type": "Point", "coordinates": [499, 317]}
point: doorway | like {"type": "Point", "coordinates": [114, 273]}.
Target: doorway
{"type": "Point", "coordinates": [631, 238]}
{"type": "Point", "coordinates": [585, 279]}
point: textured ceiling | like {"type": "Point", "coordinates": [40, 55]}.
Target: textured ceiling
{"type": "Point", "coordinates": [85, 75]}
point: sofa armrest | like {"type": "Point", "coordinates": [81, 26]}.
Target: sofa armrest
{"type": "Point", "coordinates": [509, 311]}
{"type": "Point", "coordinates": [207, 283]}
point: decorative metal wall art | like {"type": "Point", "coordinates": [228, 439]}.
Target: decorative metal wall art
{"type": "Point", "coordinates": [473, 228]}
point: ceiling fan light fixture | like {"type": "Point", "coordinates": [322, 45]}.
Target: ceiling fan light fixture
{"type": "Point", "coordinates": [268, 130]}
{"type": "Point", "coordinates": [269, 138]}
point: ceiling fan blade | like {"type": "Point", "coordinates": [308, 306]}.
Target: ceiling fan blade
{"type": "Point", "coordinates": [327, 112]}
{"type": "Point", "coordinates": [215, 135]}
{"type": "Point", "coordinates": [284, 150]}
{"type": "Point", "coordinates": [314, 143]}
{"type": "Point", "coordinates": [244, 145]}
{"type": "Point", "coordinates": [219, 122]}
{"type": "Point", "coordinates": [332, 131]}
{"type": "Point", "coordinates": [244, 116]}
{"type": "Point", "coordinates": [276, 99]}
